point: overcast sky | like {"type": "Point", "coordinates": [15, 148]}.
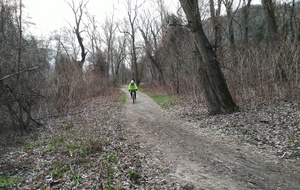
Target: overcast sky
{"type": "Point", "coordinates": [50, 15]}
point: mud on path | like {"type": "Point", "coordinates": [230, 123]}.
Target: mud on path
{"type": "Point", "coordinates": [196, 158]}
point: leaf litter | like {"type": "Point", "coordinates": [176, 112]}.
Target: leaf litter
{"type": "Point", "coordinates": [89, 150]}
{"type": "Point", "coordinates": [93, 149]}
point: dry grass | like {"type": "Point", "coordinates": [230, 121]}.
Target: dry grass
{"type": "Point", "coordinates": [156, 89]}
{"type": "Point", "coordinates": [87, 149]}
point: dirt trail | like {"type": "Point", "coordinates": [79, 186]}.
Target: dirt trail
{"type": "Point", "coordinates": [199, 158]}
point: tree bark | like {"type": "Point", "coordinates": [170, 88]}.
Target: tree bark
{"type": "Point", "coordinates": [217, 95]}
{"type": "Point", "coordinates": [271, 20]}
{"type": "Point", "coordinates": [132, 20]}
{"type": "Point", "coordinates": [230, 15]}
{"type": "Point", "coordinates": [246, 12]}
{"type": "Point", "coordinates": [293, 21]}
{"type": "Point", "coordinates": [78, 13]}
{"type": "Point", "coordinates": [153, 60]}
{"type": "Point", "coordinates": [217, 23]}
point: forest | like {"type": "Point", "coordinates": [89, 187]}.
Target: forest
{"type": "Point", "coordinates": [225, 56]}
{"type": "Point", "coordinates": [255, 46]}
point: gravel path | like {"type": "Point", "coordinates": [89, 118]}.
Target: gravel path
{"type": "Point", "coordinates": [190, 157]}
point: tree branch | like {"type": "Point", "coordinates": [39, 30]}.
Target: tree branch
{"type": "Point", "coordinates": [8, 76]}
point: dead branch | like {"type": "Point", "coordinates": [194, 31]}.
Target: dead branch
{"type": "Point", "coordinates": [8, 76]}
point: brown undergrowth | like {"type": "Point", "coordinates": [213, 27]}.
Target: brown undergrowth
{"type": "Point", "coordinates": [88, 147]}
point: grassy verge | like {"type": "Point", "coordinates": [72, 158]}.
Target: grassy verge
{"type": "Point", "coordinates": [7, 182]}
{"type": "Point", "coordinates": [123, 98]}
{"type": "Point", "coordinates": [159, 95]}
{"type": "Point", "coordinates": [164, 101]}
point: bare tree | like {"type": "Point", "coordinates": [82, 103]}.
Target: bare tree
{"type": "Point", "coordinates": [98, 72]}
{"type": "Point", "coordinates": [69, 78]}
{"type": "Point", "coordinates": [162, 9]}
{"type": "Point", "coordinates": [269, 9]}
{"type": "Point", "coordinates": [132, 13]}
{"type": "Point", "coordinates": [216, 92]}
{"type": "Point", "coordinates": [110, 27]}
{"type": "Point", "coordinates": [293, 22]}
{"type": "Point", "coordinates": [23, 125]}
{"type": "Point", "coordinates": [119, 54]}
{"type": "Point", "coordinates": [18, 73]}
{"type": "Point", "coordinates": [78, 13]}
{"type": "Point", "coordinates": [230, 18]}
{"type": "Point", "coordinates": [217, 22]}
{"type": "Point", "coordinates": [150, 32]}
{"type": "Point", "coordinates": [245, 20]}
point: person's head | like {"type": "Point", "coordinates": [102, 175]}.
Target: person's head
{"type": "Point", "coordinates": [132, 82]}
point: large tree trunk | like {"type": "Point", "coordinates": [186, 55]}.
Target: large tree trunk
{"type": "Point", "coordinates": [216, 92]}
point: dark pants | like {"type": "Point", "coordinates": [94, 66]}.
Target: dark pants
{"type": "Point", "coordinates": [133, 92]}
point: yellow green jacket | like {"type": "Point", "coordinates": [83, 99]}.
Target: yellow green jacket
{"type": "Point", "coordinates": [132, 87]}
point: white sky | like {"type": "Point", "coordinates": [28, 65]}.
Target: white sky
{"type": "Point", "coordinates": [50, 15]}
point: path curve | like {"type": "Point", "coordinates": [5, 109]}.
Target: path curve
{"type": "Point", "coordinates": [201, 159]}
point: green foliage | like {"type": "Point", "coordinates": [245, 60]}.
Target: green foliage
{"type": "Point", "coordinates": [162, 170]}
{"type": "Point", "coordinates": [112, 158]}
{"type": "Point", "coordinates": [29, 145]}
{"type": "Point", "coordinates": [137, 157]}
{"type": "Point", "coordinates": [59, 169]}
{"type": "Point", "coordinates": [55, 143]}
{"type": "Point", "coordinates": [291, 141]}
{"type": "Point", "coordinates": [73, 148]}
{"type": "Point", "coordinates": [6, 181]}
{"type": "Point", "coordinates": [133, 175]}
{"type": "Point", "coordinates": [123, 98]}
{"type": "Point", "coordinates": [109, 188]}
{"type": "Point", "coordinates": [122, 137]}
{"type": "Point", "coordinates": [75, 178]}
{"type": "Point", "coordinates": [142, 90]}
{"type": "Point", "coordinates": [193, 118]}
{"type": "Point", "coordinates": [42, 142]}
{"type": "Point", "coordinates": [164, 101]}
